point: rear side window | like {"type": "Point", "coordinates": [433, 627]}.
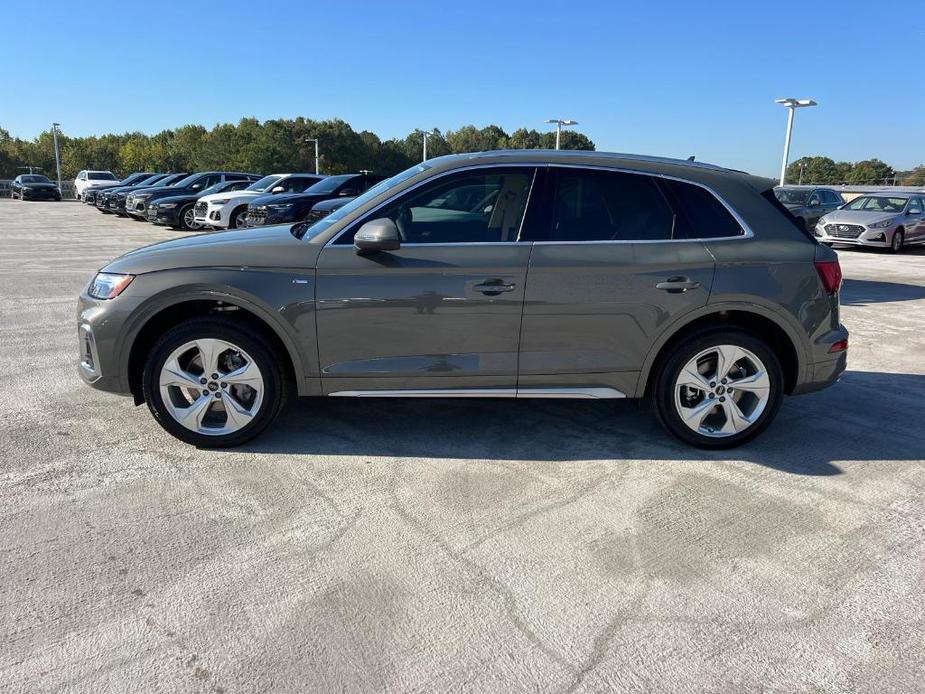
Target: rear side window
{"type": "Point", "coordinates": [608, 206]}
{"type": "Point", "coordinates": [700, 215]}
{"type": "Point", "coordinates": [776, 204]}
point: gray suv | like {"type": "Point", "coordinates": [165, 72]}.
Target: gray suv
{"type": "Point", "coordinates": [527, 274]}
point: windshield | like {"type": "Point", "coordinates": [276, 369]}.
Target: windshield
{"type": "Point", "coordinates": [329, 184]}
{"type": "Point", "coordinates": [870, 203]}
{"type": "Point", "coordinates": [35, 178]}
{"type": "Point", "coordinates": [156, 178]}
{"type": "Point", "coordinates": [218, 187]}
{"type": "Point", "coordinates": [188, 181]}
{"type": "Point", "coordinates": [263, 183]}
{"type": "Point", "coordinates": [135, 178]}
{"type": "Point", "coordinates": [100, 176]}
{"type": "Point", "coordinates": [792, 197]}
{"type": "Point", "coordinates": [306, 231]}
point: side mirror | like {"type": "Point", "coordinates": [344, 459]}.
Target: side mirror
{"type": "Point", "coordinates": [814, 203]}
{"type": "Point", "coordinates": [277, 189]}
{"type": "Point", "coordinates": [377, 235]}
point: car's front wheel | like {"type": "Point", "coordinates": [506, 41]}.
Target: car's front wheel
{"type": "Point", "coordinates": [238, 219]}
{"type": "Point", "coordinates": [719, 388]}
{"type": "Point", "coordinates": [213, 383]}
{"type": "Point", "coordinates": [188, 221]}
{"type": "Point", "coordinates": [899, 238]}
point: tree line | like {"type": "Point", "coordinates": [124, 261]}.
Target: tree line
{"type": "Point", "coordinates": [825, 171]}
{"type": "Point", "coordinates": [260, 147]}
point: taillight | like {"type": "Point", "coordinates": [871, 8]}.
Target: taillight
{"type": "Point", "coordinates": [830, 274]}
{"type": "Point", "coordinates": [839, 346]}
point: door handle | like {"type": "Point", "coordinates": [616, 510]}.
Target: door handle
{"type": "Point", "coordinates": [494, 287]}
{"type": "Point", "coordinates": [677, 285]}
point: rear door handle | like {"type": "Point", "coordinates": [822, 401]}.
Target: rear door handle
{"type": "Point", "coordinates": [677, 285]}
{"type": "Point", "coordinates": [494, 287]}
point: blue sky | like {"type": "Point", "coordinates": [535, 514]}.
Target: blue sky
{"type": "Point", "coordinates": [670, 78]}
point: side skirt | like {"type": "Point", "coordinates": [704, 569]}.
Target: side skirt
{"type": "Point", "coordinates": [571, 393]}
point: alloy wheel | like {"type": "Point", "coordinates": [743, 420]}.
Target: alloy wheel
{"type": "Point", "coordinates": [189, 220]}
{"type": "Point", "coordinates": [722, 391]}
{"type": "Point", "coordinates": [211, 387]}
{"type": "Point", "coordinates": [240, 219]}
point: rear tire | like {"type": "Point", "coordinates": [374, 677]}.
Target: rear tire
{"type": "Point", "coordinates": [693, 401]}
{"type": "Point", "coordinates": [254, 389]}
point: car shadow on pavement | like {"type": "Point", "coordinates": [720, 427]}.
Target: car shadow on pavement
{"type": "Point", "coordinates": [864, 292]}
{"type": "Point", "coordinates": [812, 434]}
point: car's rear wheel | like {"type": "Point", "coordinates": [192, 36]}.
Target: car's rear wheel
{"type": "Point", "coordinates": [211, 383]}
{"type": "Point", "coordinates": [238, 217]}
{"type": "Point", "coordinates": [719, 389]}
{"type": "Point", "coordinates": [896, 243]}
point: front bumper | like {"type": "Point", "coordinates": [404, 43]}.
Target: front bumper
{"type": "Point", "coordinates": [100, 328]}
{"type": "Point", "coordinates": [262, 218]}
{"type": "Point", "coordinates": [168, 217]}
{"type": "Point", "coordinates": [877, 238]}
{"type": "Point", "coordinates": [41, 195]}
{"type": "Point", "coordinates": [212, 216]}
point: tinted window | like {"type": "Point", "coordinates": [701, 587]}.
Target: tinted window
{"type": "Point", "coordinates": [101, 176]}
{"type": "Point", "coordinates": [34, 178]}
{"type": "Point", "coordinates": [814, 199]}
{"type": "Point", "coordinates": [471, 207]}
{"type": "Point", "coordinates": [699, 214]}
{"type": "Point", "coordinates": [915, 206]}
{"type": "Point", "coordinates": [294, 184]}
{"type": "Point", "coordinates": [608, 206]}
{"type": "Point", "coordinates": [831, 197]}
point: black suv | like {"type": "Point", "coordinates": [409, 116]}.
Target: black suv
{"type": "Point", "coordinates": [89, 194]}
{"type": "Point", "coordinates": [136, 203]}
{"type": "Point", "coordinates": [295, 207]}
{"type": "Point", "coordinates": [112, 201]}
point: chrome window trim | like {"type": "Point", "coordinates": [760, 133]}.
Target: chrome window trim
{"type": "Point", "coordinates": [747, 232]}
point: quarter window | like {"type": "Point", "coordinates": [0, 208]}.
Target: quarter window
{"type": "Point", "coordinates": [609, 206]}
{"type": "Point", "coordinates": [700, 215]}
{"type": "Point", "coordinates": [484, 206]}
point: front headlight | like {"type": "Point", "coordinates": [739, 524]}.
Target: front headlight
{"type": "Point", "coordinates": [219, 203]}
{"type": "Point", "coordinates": [142, 196]}
{"type": "Point", "coordinates": [822, 221]}
{"type": "Point", "coordinates": [881, 225]}
{"type": "Point", "coordinates": [167, 205]}
{"type": "Point", "coordinates": [281, 207]}
{"type": "Point", "coordinates": [108, 285]}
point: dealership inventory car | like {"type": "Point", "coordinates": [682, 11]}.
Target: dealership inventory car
{"type": "Point", "coordinates": [295, 207]}
{"type": "Point", "coordinates": [34, 187]}
{"type": "Point", "coordinates": [115, 200]}
{"type": "Point", "coordinates": [230, 211]}
{"type": "Point", "coordinates": [176, 211]}
{"type": "Point", "coordinates": [528, 274]}
{"type": "Point", "coordinates": [808, 203]}
{"type": "Point", "coordinates": [90, 192]}
{"type": "Point", "coordinates": [194, 184]}
{"type": "Point", "coordinates": [326, 207]}
{"type": "Point", "coordinates": [98, 179]}
{"type": "Point", "coordinates": [882, 220]}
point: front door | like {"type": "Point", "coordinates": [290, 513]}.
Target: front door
{"type": "Point", "coordinates": [617, 263]}
{"type": "Point", "coordinates": [442, 313]}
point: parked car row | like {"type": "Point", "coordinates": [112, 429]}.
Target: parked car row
{"type": "Point", "coordinates": [222, 199]}
{"type": "Point", "coordinates": [890, 220]}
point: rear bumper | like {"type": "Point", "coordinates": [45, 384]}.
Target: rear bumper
{"type": "Point", "coordinates": [823, 374]}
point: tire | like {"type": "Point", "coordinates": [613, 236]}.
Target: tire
{"type": "Point", "coordinates": [898, 241]}
{"type": "Point", "coordinates": [186, 219]}
{"type": "Point", "coordinates": [185, 346]}
{"type": "Point", "coordinates": [757, 403]}
{"type": "Point", "coordinates": [235, 214]}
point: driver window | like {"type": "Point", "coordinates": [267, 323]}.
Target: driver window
{"type": "Point", "coordinates": [915, 206]}
{"type": "Point", "coordinates": [813, 199]}
{"type": "Point", "coordinates": [485, 206]}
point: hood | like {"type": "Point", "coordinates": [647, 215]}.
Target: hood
{"type": "Point", "coordinates": [231, 194]}
{"type": "Point", "coordinates": [284, 198]}
{"type": "Point", "coordinates": [793, 205]}
{"type": "Point", "coordinates": [103, 184]}
{"type": "Point", "coordinates": [334, 203]}
{"type": "Point", "coordinates": [42, 186]}
{"type": "Point", "coordinates": [190, 197]}
{"type": "Point", "coordinates": [273, 247]}
{"type": "Point", "coordinates": [857, 217]}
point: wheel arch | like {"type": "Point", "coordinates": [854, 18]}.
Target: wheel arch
{"type": "Point", "coordinates": [758, 320]}
{"type": "Point", "coordinates": [180, 308]}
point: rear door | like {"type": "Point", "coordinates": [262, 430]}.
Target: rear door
{"type": "Point", "coordinates": [440, 314]}
{"type": "Point", "coordinates": [613, 266]}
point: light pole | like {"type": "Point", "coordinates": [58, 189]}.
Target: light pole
{"type": "Point", "coordinates": [559, 123]}
{"type": "Point", "coordinates": [792, 105]}
{"type": "Point", "coordinates": [54, 130]}
{"type": "Point", "coordinates": [315, 140]}
{"type": "Point", "coordinates": [425, 134]}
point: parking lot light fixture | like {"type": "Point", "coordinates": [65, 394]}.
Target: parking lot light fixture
{"type": "Point", "coordinates": [55, 127]}
{"type": "Point", "coordinates": [792, 105]}
{"type": "Point", "coordinates": [315, 140]}
{"type": "Point", "coordinates": [559, 123]}
{"type": "Point", "coordinates": [425, 134]}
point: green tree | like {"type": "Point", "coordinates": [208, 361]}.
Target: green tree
{"type": "Point", "coordinates": [871, 172]}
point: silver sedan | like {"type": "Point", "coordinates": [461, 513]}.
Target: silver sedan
{"type": "Point", "coordinates": [884, 220]}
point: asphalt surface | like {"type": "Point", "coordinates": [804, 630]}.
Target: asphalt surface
{"type": "Point", "coordinates": [466, 545]}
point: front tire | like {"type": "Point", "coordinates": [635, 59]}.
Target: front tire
{"type": "Point", "coordinates": [898, 240]}
{"type": "Point", "coordinates": [187, 220]}
{"type": "Point", "coordinates": [212, 383]}
{"type": "Point", "coordinates": [238, 216]}
{"type": "Point", "coordinates": [719, 388]}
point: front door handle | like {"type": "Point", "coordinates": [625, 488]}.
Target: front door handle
{"type": "Point", "coordinates": [494, 287]}
{"type": "Point", "coordinates": [677, 285]}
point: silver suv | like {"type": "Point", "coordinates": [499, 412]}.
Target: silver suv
{"type": "Point", "coordinates": [527, 274]}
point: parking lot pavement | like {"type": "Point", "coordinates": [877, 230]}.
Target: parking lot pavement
{"type": "Point", "coordinates": [453, 545]}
